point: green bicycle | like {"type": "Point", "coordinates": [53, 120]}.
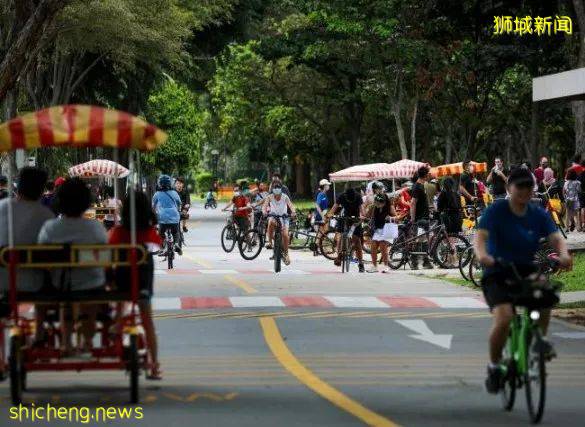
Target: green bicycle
{"type": "Point", "coordinates": [525, 356]}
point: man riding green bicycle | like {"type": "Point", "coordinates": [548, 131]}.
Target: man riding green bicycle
{"type": "Point", "coordinates": [510, 230]}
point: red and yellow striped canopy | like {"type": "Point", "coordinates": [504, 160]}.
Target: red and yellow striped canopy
{"type": "Point", "coordinates": [79, 126]}
{"type": "Point", "coordinates": [457, 169]}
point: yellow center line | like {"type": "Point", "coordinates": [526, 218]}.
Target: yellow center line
{"type": "Point", "coordinates": [197, 260]}
{"type": "Point", "coordinates": [242, 284]}
{"type": "Point", "coordinates": [287, 359]}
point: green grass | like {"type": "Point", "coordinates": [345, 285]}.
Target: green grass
{"type": "Point", "coordinates": [304, 204]}
{"type": "Point", "coordinates": [574, 280]}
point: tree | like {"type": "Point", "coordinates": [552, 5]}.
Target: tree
{"type": "Point", "coordinates": [174, 108]}
{"type": "Point", "coordinates": [23, 39]}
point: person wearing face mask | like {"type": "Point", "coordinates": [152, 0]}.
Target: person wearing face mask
{"type": "Point", "coordinates": [242, 209]}
{"type": "Point", "coordinates": [351, 202]}
{"type": "Point", "coordinates": [276, 179]}
{"type": "Point", "coordinates": [279, 203]}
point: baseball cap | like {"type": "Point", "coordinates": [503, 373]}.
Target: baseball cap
{"type": "Point", "coordinates": [324, 182]}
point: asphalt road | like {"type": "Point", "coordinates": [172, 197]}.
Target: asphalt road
{"type": "Point", "coordinates": [243, 346]}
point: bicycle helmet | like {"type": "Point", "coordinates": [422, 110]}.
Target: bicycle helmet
{"type": "Point", "coordinates": [164, 182]}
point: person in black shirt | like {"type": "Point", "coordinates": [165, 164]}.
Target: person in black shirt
{"type": "Point", "coordinates": [185, 202]}
{"type": "Point", "coordinates": [449, 208]}
{"type": "Point", "coordinates": [351, 202]}
{"type": "Point", "coordinates": [419, 211]}
{"type": "Point", "coordinates": [380, 213]}
{"type": "Point", "coordinates": [466, 184]}
{"type": "Point", "coordinates": [498, 178]}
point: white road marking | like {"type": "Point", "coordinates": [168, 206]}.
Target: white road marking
{"type": "Point", "coordinates": [571, 335]}
{"type": "Point", "coordinates": [256, 302]}
{"type": "Point", "coordinates": [457, 302]}
{"type": "Point", "coordinates": [166, 303]}
{"type": "Point", "coordinates": [425, 334]}
{"type": "Point", "coordinates": [357, 302]}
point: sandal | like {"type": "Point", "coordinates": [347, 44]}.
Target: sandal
{"type": "Point", "coordinates": [155, 373]}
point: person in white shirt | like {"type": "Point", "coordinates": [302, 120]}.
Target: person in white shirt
{"type": "Point", "coordinates": [28, 216]}
{"type": "Point", "coordinates": [279, 204]}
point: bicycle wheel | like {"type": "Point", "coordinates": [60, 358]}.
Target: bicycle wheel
{"type": "Point", "coordinates": [535, 376]}
{"type": "Point", "coordinates": [448, 249]}
{"type": "Point", "coordinates": [170, 258]}
{"type": "Point", "coordinates": [228, 238]}
{"type": "Point", "coordinates": [251, 244]}
{"type": "Point", "coordinates": [327, 245]}
{"type": "Point", "coordinates": [464, 261]}
{"type": "Point", "coordinates": [510, 380]}
{"type": "Point", "coordinates": [397, 255]}
{"type": "Point", "coordinates": [277, 252]}
{"type": "Point", "coordinates": [475, 272]}
{"type": "Point", "coordinates": [298, 239]}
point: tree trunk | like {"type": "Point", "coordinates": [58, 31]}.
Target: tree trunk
{"type": "Point", "coordinates": [534, 148]}
{"type": "Point", "coordinates": [579, 106]}
{"type": "Point", "coordinates": [413, 130]}
{"type": "Point", "coordinates": [449, 145]}
{"type": "Point", "coordinates": [400, 131]}
{"type": "Point", "coordinates": [28, 38]}
{"type": "Point", "coordinates": [299, 172]}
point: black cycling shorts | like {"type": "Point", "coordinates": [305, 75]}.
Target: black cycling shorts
{"type": "Point", "coordinates": [495, 289]}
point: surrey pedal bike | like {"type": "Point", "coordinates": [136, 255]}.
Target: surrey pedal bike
{"type": "Point", "coordinates": [525, 356]}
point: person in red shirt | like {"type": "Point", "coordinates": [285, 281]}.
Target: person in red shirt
{"type": "Point", "coordinates": [539, 171]}
{"type": "Point", "coordinates": [242, 209]}
{"type": "Point", "coordinates": [148, 236]}
{"type": "Point", "coordinates": [576, 165]}
{"type": "Point", "coordinates": [403, 201]}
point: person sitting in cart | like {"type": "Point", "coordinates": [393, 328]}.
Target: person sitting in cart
{"type": "Point", "coordinates": [147, 235]}
{"type": "Point", "coordinates": [72, 199]}
{"type": "Point", "coordinates": [28, 216]}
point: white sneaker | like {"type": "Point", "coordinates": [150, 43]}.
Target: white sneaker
{"type": "Point", "coordinates": [372, 269]}
{"type": "Point", "coordinates": [386, 270]}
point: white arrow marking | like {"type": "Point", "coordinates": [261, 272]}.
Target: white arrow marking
{"type": "Point", "coordinates": [425, 334]}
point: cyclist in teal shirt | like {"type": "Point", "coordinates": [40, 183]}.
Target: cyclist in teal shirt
{"type": "Point", "coordinates": [511, 230]}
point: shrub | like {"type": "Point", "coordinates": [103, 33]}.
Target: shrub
{"type": "Point", "coordinates": [204, 181]}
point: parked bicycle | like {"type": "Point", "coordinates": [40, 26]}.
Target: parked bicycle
{"type": "Point", "coordinates": [435, 243]}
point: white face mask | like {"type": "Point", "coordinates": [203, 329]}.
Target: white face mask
{"type": "Point", "coordinates": [277, 191]}
{"type": "Point", "coordinates": [237, 193]}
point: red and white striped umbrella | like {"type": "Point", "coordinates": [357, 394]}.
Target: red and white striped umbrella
{"type": "Point", "coordinates": [99, 168]}
{"type": "Point", "coordinates": [401, 169]}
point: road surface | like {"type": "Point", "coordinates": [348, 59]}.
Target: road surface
{"type": "Point", "coordinates": [242, 346]}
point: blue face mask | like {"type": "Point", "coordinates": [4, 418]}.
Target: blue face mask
{"type": "Point", "coordinates": [277, 191]}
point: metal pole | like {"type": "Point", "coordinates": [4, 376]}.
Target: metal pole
{"type": "Point", "coordinates": [132, 178]}
{"type": "Point", "coordinates": [116, 198]}
{"type": "Point", "coordinates": [10, 211]}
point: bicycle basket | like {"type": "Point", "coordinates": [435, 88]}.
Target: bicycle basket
{"type": "Point", "coordinates": [537, 295]}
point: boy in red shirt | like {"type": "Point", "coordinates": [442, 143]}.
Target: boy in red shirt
{"type": "Point", "coordinates": [242, 209]}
